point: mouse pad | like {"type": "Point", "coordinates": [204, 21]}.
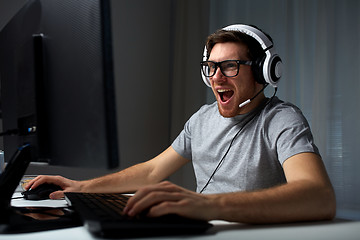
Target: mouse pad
{"type": "Point", "coordinates": [26, 219]}
{"type": "Point", "coordinates": [30, 219]}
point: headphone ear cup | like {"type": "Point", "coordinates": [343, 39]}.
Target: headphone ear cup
{"type": "Point", "coordinates": [276, 69]}
{"type": "Point", "coordinates": [257, 70]}
{"type": "Point", "coordinates": [273, 70]}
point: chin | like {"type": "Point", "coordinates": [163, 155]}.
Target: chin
{"type": "Point", "coordinates": [228, 113]}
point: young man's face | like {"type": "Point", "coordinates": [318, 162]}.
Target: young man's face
{"type": "Point", "coordinates": [232, 91]}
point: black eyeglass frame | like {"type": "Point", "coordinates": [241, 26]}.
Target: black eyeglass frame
{"type": "Point", "coordinates": [218, 64]}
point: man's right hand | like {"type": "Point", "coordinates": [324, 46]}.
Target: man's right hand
{"type": "Point", "coordinates": [67, 185]}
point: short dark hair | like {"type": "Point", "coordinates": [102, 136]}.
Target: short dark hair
{"type": "Point", "coordinates": [254, 52]}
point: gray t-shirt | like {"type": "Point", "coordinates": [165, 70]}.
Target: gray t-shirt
{"type": "Point", "coordinates": [262, 140]}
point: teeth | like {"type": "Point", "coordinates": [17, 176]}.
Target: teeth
{"type": "Point", "coordinates": [223, 90]}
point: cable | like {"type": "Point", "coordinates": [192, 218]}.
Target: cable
{"type": "Point", "coordinates": [21, 132]}
{"type": "Point", "coordinates": [22, 197]}
{"type": "Point", "coordinates": [10, 132]}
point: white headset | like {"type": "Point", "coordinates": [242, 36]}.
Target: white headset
{"type": "Point", "coordinates": [270, 67]}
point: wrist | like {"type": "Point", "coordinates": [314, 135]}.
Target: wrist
{"type": "Point", "coordinates": [216, 206]}
{"type": "Point", "coordinates": [83, 186]}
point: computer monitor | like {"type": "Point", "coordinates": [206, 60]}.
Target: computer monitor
{"type": "Point", "coordinates": [57, 84]}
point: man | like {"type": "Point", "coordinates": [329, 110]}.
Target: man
{"type": "Point", "coordinates": [254, 157]}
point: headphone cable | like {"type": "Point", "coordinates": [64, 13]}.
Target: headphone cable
{"type": "Point", "coordinates": [233, 139]}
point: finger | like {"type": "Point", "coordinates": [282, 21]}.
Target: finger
{"type": "Point", "coordinates": [153, 199]}
{"type": "Point", "coordinates": [56, 195]}
{"type": "Point", "coordinates": [39, 180]}
{"type": "Point", "coordinates": [160, 187]}
{"type": "Point", "coordinates": [141, 193]}
{"type": "Point", "coordinates": [163, 208]}
{"type": "Point", "coordinates": [30, 183]}
{"type": "Point", "coordinates": [35, 182]}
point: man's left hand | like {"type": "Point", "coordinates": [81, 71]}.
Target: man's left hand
{"type": "Point", "coordinates": [168, 198]}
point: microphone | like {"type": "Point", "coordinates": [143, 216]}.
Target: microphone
{"type": "Point", "coordinates": [250, 99]}
{"type": "Point", "coordinates": [245, 103]}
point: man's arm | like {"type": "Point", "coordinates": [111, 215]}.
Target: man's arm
{"type": "Point", "coordinates": [307, 196]}
{"type": "Point", "coordinates": [128, 180]}
{"type": "Point", "coordinates": [146, 173]}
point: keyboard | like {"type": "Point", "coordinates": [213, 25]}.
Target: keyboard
{"type": "Point", "coordinates": [104, 205]}
{"type": "Point", "coordinates": [102, 214]}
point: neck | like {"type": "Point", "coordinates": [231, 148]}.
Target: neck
{"type": "Point", "coordinates": [253, 104]}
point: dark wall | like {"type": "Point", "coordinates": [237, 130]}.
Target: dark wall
{"type": "Point", "coordinates": [157, 48]}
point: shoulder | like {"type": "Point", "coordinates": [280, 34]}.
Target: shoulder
{"type": "Point", "coordinates": [287, 130]}
{"type": "Point", "coordinates": [206, 111]}
{"type": "Point", "coordinates": [203, 118]}
{"type": "Point", "coordinates": [279, 112]}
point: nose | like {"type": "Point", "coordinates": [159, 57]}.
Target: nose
{"type": "Point", "coordinates": [219, 76]}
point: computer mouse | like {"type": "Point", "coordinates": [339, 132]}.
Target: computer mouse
{"type": "Point", "coordinates": [42, 192]}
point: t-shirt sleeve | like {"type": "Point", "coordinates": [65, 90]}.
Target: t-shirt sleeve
{"type": "Point", "coordinates": [293, 135]}
{"type": "Point", "coordinates": [182, 143]}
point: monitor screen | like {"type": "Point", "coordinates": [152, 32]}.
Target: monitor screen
{"type": "Point", "coordinates": [57, 84]}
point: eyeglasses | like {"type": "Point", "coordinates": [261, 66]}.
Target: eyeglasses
{"type": "Point", "coordinates": [229, 68]}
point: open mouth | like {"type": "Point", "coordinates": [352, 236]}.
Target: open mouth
{"type": "Point", "coordinates": [225, 94]}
